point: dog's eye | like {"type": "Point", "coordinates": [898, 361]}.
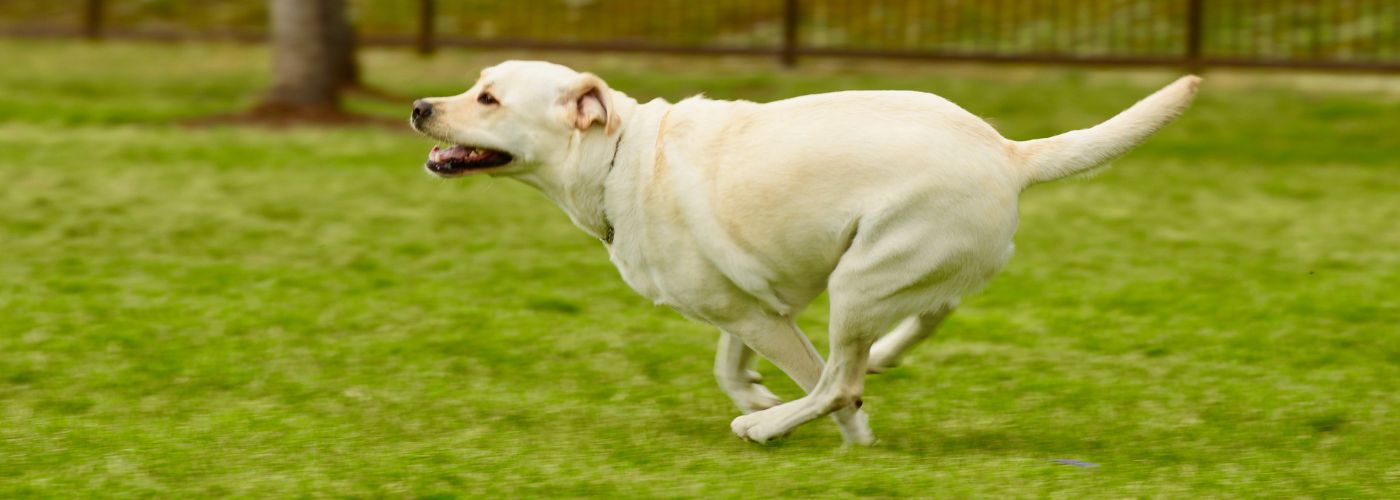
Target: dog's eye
{"type": "Point", "coordinates": [486, 99]}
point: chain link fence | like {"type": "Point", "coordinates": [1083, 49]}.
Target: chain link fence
{"type": "Point", "coordinates": [1339, 34]}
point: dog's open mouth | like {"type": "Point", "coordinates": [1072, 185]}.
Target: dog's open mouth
{"type": "Point", "coordinates": [458, 160]}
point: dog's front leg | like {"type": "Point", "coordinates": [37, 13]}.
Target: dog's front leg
{"type": "Point", "coordinates": [735, 374]}
{"type": "Point", "coordinates": [837, 393]}
{"type": "Point", "coordinates": [777, 338]}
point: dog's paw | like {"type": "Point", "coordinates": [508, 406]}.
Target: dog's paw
{"type": "Point", "coordinates": [859, 434]}
{"type": "Point", "coordinates": [749, 394]}
{"type": "Point", "coordinates": [752, 427]}
{"type": "Point", "coordinates": [754, 398]}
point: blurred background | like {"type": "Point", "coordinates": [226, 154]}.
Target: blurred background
{"type": "Point", "coordinates": [224, 273]}
{"type": "Point", "coordinates": [1289, 33]}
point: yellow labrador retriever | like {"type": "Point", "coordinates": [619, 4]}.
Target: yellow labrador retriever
{"type": "Point", "coordinates": [739, 214]}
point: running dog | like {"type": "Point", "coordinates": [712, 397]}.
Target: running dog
{"type": "Point", "coordinates": [739, 214]}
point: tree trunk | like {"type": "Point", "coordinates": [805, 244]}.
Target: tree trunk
{"type": "Point", "coordinates": [307, 54]}
{"type": "Point", "coordinates": [344, 68]}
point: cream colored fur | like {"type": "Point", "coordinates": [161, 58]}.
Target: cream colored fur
{"type": "Point", "coordinates": [739, 214]}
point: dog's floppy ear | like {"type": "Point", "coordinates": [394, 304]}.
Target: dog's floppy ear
{"type": "Point", "coordinates": [588, 101]}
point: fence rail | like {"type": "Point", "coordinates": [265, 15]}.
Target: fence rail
{"type": "Point", "coordinates": [1338, 34]}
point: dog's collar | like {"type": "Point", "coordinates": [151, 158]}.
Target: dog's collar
{"type": "Point", "coordinates": [607, 224]}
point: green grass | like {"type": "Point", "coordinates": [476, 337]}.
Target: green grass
{"type": "Point", "coordinates": [262, 313]}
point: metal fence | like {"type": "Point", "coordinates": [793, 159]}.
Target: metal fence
{"type": "Point", "coordinates": [1340, 34]}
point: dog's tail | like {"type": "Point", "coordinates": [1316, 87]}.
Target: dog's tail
{"type": "Point", "coordinates": [1080, 151]}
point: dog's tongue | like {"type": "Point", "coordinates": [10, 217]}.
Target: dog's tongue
{"type": "Point", "coordinates": [458, 153]}
{"type": "Point", "coordinates": [453, 153]}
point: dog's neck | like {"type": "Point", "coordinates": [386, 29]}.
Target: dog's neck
{"type": "Point", "coordinates": [576, 180]}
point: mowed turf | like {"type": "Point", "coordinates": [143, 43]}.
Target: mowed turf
{"type": "Point", "coordinates": [253, 312]}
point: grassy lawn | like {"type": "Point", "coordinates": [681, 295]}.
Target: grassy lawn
{"type": "Point", "coordinates": [235, 311]}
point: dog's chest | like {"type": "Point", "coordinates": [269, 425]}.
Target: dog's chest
{"type": "Point", "coordinates": [664, 277]}
{"type": "Point", "coordinates": [631, 264]}
{"type": "Point", "coordinates": [677, 275]}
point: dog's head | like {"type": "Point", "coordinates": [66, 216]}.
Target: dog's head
{"type": "Point", "coordinates": [518, 115]}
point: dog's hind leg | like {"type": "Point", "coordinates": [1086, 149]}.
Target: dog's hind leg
{"type": "Point", "coordinates": [890, 349]}
{"type": "Point", "coordinates": [735, 374]}
{"type": "Point", "coordinates": [778, 339]}
{"type": "Point", "coordinates": [889, 273]}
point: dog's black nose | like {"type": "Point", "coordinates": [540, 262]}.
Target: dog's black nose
{"type": "Point", "coordinates": [422, 110]}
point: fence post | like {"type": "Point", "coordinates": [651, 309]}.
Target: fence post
{"type": "Point", "coordinates": [790, 18]}
{"type": "Point", "coordinates": [426, 43]}
{"type": "Point", "coordinates": [92, 19]}
{"type": "Point", "coordinates": [1194, 18]}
